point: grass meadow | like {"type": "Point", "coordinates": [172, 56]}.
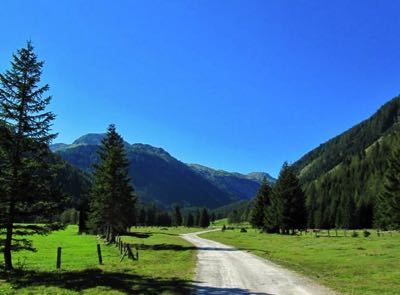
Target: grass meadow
{"type": "Point", "coordinates": [166, 265]}
{"type": "Point", "coordinates": [349, 265]}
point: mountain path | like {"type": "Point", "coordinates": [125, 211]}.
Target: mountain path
{"type": "Point", "coordinates": [223, 270]}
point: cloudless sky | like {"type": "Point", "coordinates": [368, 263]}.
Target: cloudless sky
{"type": "Point", "coordinates": [235, 85]}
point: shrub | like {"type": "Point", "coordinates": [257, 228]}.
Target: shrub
{"type": "Point", "coordinates": [224, 228]}
{"type": "Point", "coordinates": [243, 230]}
{"type": "Point", "coordinates": [354, 234]}
{"type": "Point", "coordinates": [366, 233]}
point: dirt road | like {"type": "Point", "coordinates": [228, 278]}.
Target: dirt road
{"type": "Point", "coordinates": [223, 270]}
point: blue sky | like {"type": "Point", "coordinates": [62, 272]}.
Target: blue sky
{"type": "Point", "coordinates": [236, 85]}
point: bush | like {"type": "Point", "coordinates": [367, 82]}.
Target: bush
{"type": "Point", "coordinates": [366, 233]}
{"type": "Point", "coordinates": [354, 234]}
{"type": "Point", "coordinates": [224, 228]}
{"type": "Point", "coordinates": [243, 230]}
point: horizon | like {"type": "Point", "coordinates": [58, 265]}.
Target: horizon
{"type": "Point", "coordinates": [240, 90]}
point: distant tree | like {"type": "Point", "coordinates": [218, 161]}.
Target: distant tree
{"type": "Point", "coordinates": [287, 208]}
{"type": "Point", "coordinates": [189, 222]}
{"type": "Point", "coordinates": [204, 218]}
{"type": "Point", "coordinates": [112, 199]}
{"type": "Point", "coordinates": [163, 219]}
{"type": "Point", "coordinates": [177, 216]}
{"type": "Point", "coordinates": [142, 216]}
{"type": "Point", "coordinates": [151, 215]}
{"type": "Point", "coordinates": [260, 204]}
{"type": "Point", "coordinates": [212, 217]}
{"type": "Point", "coordinates": [197, 217]}
{"type": "Point", "coordinates": [234, 217]}
{"type": "Point", "coordinates": [27, 192]}
{"type": "Point", "coordinates": [389, 201]}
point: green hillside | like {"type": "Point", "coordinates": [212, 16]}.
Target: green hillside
{"type": "Point", "coordinates": [344, 176]}
{"type": "Point", "coordinates": [160, 178]}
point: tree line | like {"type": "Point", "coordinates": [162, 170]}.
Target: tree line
{"type": "Point", "coordinates": [280, 208]}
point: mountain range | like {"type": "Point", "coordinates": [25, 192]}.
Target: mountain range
{"type": "Point", "coordinates": [162, 179]}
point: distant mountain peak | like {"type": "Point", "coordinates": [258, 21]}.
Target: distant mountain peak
{"type": "Point", "coordinates": [90, 139]}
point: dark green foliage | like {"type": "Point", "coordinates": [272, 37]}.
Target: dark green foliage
{"type": "Point", "coordinates": [112, 199]}
{"type": "Point", "coordinates": [260, 204]}
{"type": "Point", "coordinates": [389, 202]}
{"type": "Point", "coordinates": [177, 221]}
{"type": "Point", "coordinates": [197, 216]}
{"type": "Point", "coordinates": [234, 217]}
{"type": "Point", "coordinates": [366, 233]}
{"type": "Point", "coordinates": [26, 178]}
{"type": "Point", "coordinates": [189, 221]}
{"type": "Point", "coordinates": [343, 178]}
{"type": "Point", "coordinates": [204, 218]}
{"type": "Point", "coordinates": [142, 217]}
{"type": "Point", "coordinates": [287, 205]}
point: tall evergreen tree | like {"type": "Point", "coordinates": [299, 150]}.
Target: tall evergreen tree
{"type": "Point", "coordinates": [260, 204]}
{"type": "Point", "coordinates": [112, 199]}
{"type": "Point", "coordinates": [389, 201]}
{"type": "Point", "coordinates": [177, 216]}
{"type": "Point", "coordinates": [204, 218]}
{"type": "Point", "coordinates": [189, 221]}
{"type": "Point", "coordinates": [26, 179]}
{"type": "Point", "coordinates": [289, 201]}
{"type": "Point", "coordinates": [197, 216]}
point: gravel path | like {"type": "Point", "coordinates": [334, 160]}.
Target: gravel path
{"type": "Point", "coordinates": [223, 270]}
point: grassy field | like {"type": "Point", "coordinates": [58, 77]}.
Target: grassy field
{"type": "Point", "coordinates": [349, 265]}
{"type": "Point", "coordinates": [166, 265]}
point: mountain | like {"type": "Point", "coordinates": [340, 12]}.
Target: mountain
{"type": "Point", "coordinates": [343, 177]}
{"type": "Point", "coordinates": [158, 177]}
{"type": "Point", "coordinates": [237, 184]}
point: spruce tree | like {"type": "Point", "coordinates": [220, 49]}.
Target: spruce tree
{"type": "Point", "coordinates": [26, 178]}
{"type": "Point", "coordinates": [189, 222]}
{"type": "Point", "coordinates": [197, 216]}
{"type": "Point", "coordinates": [389, 202]}
{"type": "Point", "coordinates": [289, 201]}
{"type": "Point", "coordinates": [204, 219]}
{"type": "Point", "coordinates": [260, 204]}
{"type": "Point", "coordinates": [177, 216]}
{"type": "Point", "coordinates": [112, 199]}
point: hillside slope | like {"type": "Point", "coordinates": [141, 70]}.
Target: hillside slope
{"type": "Point", "coordinates": [344, 176]}
{"type": "Point", "coordinates": [158, 177]}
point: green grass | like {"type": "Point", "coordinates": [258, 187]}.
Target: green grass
{"type": "Point", "coordinates": [166, 265]}
{"type": "Point", "coordinates": [348, 265]}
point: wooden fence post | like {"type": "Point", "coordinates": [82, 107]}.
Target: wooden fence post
{"type": "Point", "coordinates": [99, 254]}
{"type": "Point", "coordinates": [58, 258]}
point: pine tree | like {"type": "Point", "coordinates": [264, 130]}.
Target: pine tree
{"type": "Point", "coordinates": [189, 222]}
{"type": "Point", "coordinates": [261, 202]}
{"type": "Point", "coordinates": [204, 219]}
{"type": "Point", "coordinates": [26, 178]}
{"type": "Point", "coordinates": [142, 216]}
{"type": "Point", "coordinates": [197, 216]}
{"type": "Point", "coordinates": [112, 199]}
{"type": "Point", "coordinates": [289, 201]}
{"type": "Point", "coordinates": [177, 216]}
{"type": "Point", "coordinates": [389, 201]}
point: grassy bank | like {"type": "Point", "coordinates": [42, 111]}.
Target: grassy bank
{"type": "Point", "coordinates": [349, 265]}
{"type": "Point", "coordinates": [166, 265]}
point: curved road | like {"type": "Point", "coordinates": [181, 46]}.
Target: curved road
{"type": "Point", "coordinates": [223, 270]}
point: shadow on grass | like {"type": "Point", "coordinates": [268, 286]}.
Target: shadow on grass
{"type": "Point", "coordinates": [79, 281]}
{"type": "Point", "coordinates": [126, 283]}
{"type": "Point", "coordinates": [138, 235]}
{"type": "Point", "coordinates": [175, 247]}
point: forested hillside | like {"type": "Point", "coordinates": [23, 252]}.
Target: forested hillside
{"type": "Point", "coordinates": [160, 178]}
{"type": "Point", "coordinates": [344, 177]}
